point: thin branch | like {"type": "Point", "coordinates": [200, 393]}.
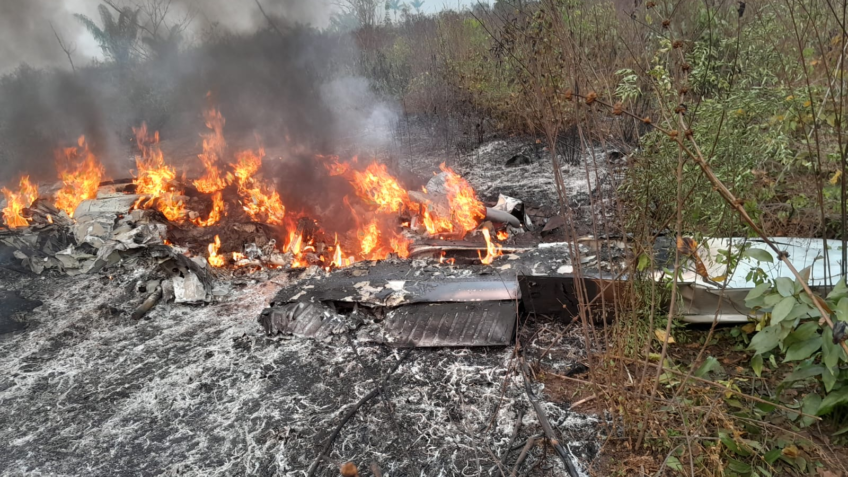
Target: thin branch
{"type": "Point", "coordinates": [270, 22]}
{"type": "Point", "coordinates": [67, 48]}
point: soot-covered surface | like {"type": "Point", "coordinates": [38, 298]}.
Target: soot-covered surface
{"type": "Point", "coordinates": [201, 391]}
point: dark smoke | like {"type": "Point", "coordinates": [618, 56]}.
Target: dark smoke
{"type": "Point", "coordinates": [293, 87]}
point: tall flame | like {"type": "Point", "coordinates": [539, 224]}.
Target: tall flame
{"type": "Point", "coordinates": [369, 239]}
{"type": "Point", "coordinates": [17, 201]}
{"type": "Point", "coordinates": [339, 259]}
{"type": "Point", "coordinates": [261, 202]}
{"type": "Point", "coordinates": [215, 214]}
{"type": "Point", "coordinates": [214, 258]}
{"type": "Point", "coordinates": [214, 147]}
{"type": "Point", "coordinates": [295, 246]}
{"type": "Point", "coordinates": [467, 211]}
{"type": "Point", "coordinates": [493, 250]}
{"type": "Point", "coordinates": [80, 172]}
{"type": "Point", "coordinates": [155, 178]}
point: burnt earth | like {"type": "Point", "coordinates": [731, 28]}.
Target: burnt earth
{"type": "Point", "coordinates": [200, 390]}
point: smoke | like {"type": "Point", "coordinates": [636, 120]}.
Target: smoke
{"type": "Point", "coordinates": [25, 34]}
{"type": "Point", "coordinates": [360, 116]}
{"type": "Point", "coordinates": [295, 92]}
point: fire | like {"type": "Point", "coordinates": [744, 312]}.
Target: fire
{"type": "Point", "coordinates": [261, 202]}
{"type": "Point", "coordinates": [493, 250]}
{"type": "Point", "coordinates": [467, 211]}
{"type": "Point", "coordinates": [215, 214]}
{"type": "Point", "coordinates": [376, 186]}
{"type": "Point", "coordinates": [400, 245]}
{"type": "Point", "coordinates": [155, 177]}
{"type": "Point", "coordinates": [214, 147]}
{"type": "Point", "coordinates": [17, 201]}
{"type": "Point", "coordinates": [334, 167]}
{"type": "Point", "coordinates": [80, 172]}
{"type": "Point", "coordinates": [435, 224]}
{"type": "Point", "coordinates": [369, 239]}
{"type": "Point", "coordinates": [214, 259]}
{"type": "Point", "coordinates": [295, 248]}
{"type": "Point", "coordinates": [339, 259]}
{"type": "Point", "coordinates": [247, 165]}
{"type": "Point", "coordinates": [502, 235]}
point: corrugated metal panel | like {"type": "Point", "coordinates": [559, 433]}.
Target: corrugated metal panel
{"type": "Point", "coordinates": [451, 324]}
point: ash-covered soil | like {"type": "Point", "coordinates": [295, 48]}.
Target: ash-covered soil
{"type": "Point", "coordinates": [199, 390]}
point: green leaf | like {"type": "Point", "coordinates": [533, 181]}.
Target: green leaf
{"type": "Point", "coordinates": [782, 309]}
{"type": "Point", "coordinates": [833, 399]}
{"type": "Point", "coordinates": [802, 333]}
{"type": "Point", "coordinates": [757, 291]}
{"type": "Point", "coordinates": [758, 254]}
{"type": "Point", "coordinates": [804, 371]}
{"type": "Point", "coordinates": [839, 290]}
{"type": "Point", "coordinates": [831, 353]}
{"type": "Point", "coordinates": [739, 467]}
{"type": "Point", "coordinates": [842, 309]}
{"type": "Point", "coordinates": [841, 431]}
{"type": "Point", "coordinates": [673, 463]}
{"type": "Point", "coordinates": [828, 379]}
{"type": "Point", "coordinates": [732, 445]}
{"type": "Point", "coordinates": [766, 340]}
{"type": "Point", "coordinates": [757, 364]}
{"type": "Point", "coordinates": [800, 310]}
{"type": "Point", "coordinates": [772, 456]}
{"type": "Point", "coordinates": [710, 364]}
{"type": "Point", "coordinates": [772, 299]}
{"type": "Point", "coordinates": [644, 261]}
{"type": "Point", "coordinates": [810, 406]}
{"type": "Point", "coordinates": [803, 349]}
{"type": "Point", "coordinates": [785, 286]}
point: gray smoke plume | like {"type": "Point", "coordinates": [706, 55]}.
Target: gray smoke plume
{"type": "Point", "coordinates": [291, 85]}
{"type": "Point", "coordinates": [26, 36]}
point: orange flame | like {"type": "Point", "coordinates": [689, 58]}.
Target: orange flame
{"type": "Point", "coordinates": [502, 235]}
{"type": "Point", "coordinates": [155, 177]}
{"type": "Point", "coordinates": [400, 245]}
{"type": "Point", "coordinates": [247, 164]}
{"type": "Point", "coordinates": [369, 239]}
{"type": "Point", "coordinates": [17, 201]}
{"type": "Point", "coordinates": [80, 172]}
{"type": "Point", "coordinates": [261, 202]}
{"type": "Point", "coordinates": [493, 250]}
{"type": "Point", "coordinates": [435, 224]}
{"type": "Point", "coordinates": [339, 259]}
{"type": "Point", "coordinates": [214, 259]}
{"type": "Point", "coordinates": [295, 248]}
{"type": "Point", "coordinates": [334, 167]}
{"type": "Point", "coordinates": [467, 211]}
{"type": "Point", "coordinates": [214, 147]}
{"type": "Point", "coordinates": [376, 186]}
{"type": "Point", "coordinates": [215, 214]}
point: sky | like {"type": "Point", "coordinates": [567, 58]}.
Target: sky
{"type": "Point", "coordinates": [26, 36]}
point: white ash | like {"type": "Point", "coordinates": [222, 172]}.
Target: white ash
{"type": "Point", "coordinates": [201, 391]}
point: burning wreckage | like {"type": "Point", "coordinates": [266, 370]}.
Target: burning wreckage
{"type": "Point", "coordinates": [388, 314]}
{"type": "Point", "coordinates": [350, 284]}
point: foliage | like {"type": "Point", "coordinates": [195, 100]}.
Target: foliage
{"type": "Point", "coordinates": [791, 326]}
{"type": "Point", "coordinates": [116, 38]}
